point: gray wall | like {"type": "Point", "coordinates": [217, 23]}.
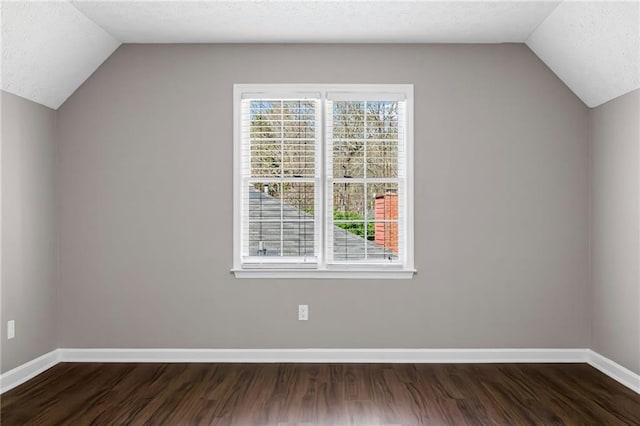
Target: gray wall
{"type": "Point", "coordinates": [615, 241]}
{"type": "Point", "coordinates": [145, 201]}
{"type": "Point", "coordinates": [28, 230]}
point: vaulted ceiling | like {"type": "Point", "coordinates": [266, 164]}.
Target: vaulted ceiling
{"type": "Point", "coordinates": [50, 48]}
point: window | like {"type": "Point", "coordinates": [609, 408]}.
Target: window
{"type": "Point", "coordinates": [323, 181]}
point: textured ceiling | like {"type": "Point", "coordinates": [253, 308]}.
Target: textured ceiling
{"type": "Point", "coordinates": [594, 47]}
{"type": "Point", "coordinates": [318, 21]}
{"type": "Point", "coordinates": [50, 48]}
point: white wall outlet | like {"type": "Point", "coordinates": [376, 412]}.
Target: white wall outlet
{"type": "Point", "coordinates": [11, 329]}
{"type": "Point", "coordinates": [303, 312]}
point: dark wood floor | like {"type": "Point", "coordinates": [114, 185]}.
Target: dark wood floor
{"type": "Point", "coordinates": [333, 394]}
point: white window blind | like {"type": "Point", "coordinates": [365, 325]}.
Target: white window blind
{"type": "Point", "coordinates": [279, 180]}
{"type": "Point", "coordinates": [366, 183]}
{"type": "Point", "coordinates": [323, 181]}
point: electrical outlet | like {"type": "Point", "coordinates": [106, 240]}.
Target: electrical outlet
{"type": "Point", "coordinates": [11, 329]}
{"type": "Point", "coordinates": [303, 312]}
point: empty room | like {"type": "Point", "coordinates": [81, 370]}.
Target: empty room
{"type": "Point", "coordinates": [359, 212]}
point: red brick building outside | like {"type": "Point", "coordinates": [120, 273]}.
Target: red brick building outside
{"type": "Point", "coordinates": [386, 233]}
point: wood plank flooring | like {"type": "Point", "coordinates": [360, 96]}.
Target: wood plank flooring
{"type": "Point", "coordinates": [331, 394]}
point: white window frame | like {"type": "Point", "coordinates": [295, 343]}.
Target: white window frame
{"type": "Point", "coordinates": [321, 269]}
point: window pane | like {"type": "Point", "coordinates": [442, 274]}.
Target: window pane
{"type": "Point", "coordinates": [365, 139]}
{"type": "Point", "coordinates": [299, 119]}
{"type": "Point", "coordinates": [348, 120]}
{"type": "Point", "coordinates": [348, 241]}
{"type": "Point", "coordinates": [299, 200]}
{"type": "Point", "coordinates": [299, 158]}
{"type": "Point", "coordinates": [382, 120]}
{"type": "Point", "coordinates": [264, 201]}
{"type": "Point", "coordinates": [348, 201]}
{"type": "Point", "coordinates": [299, 238]}
{"type": "Point", "coordinates": [282, 138]}
{"type": "Point", "coordinates": [281, 219]}
{"type": "Point", "coordinates": [382, 201]}
{"type": "Point", "coordinates": [264, 239]}
{"type": "Point", "coordinates": [348, 159]}
{"type": "Point", "coordinates": [266, 158]}
{"type": "Point", "coordinates": [382, 159]}
{"type": "Point", "coordinates": [385, 245]}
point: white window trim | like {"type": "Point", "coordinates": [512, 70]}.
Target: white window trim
{"type": "Point", "coordinates": [321, 269]}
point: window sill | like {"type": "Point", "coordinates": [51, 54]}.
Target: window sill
{"type": "Point", "coordinates": [368, 274]}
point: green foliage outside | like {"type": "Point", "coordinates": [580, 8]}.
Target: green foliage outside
{"type": "Point", "coordinates": [356, 228]}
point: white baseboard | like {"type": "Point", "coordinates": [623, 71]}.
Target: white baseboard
{"type": "Point", "coordinates": [614, 370]}
{"type": "Point", "coordinates": [325, 355]}
{"type": "Point", "coordinates": [21, 374]}
{"type": "Point", "coordinates": [27, 371]}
